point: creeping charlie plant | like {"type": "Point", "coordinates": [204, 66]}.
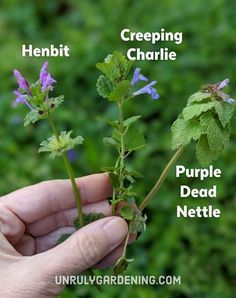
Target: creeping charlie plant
{"type": "Point", "coordinates": [205, 120]}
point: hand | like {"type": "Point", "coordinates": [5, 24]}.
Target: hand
{"type": "Point", "coordinates": [31, 222]}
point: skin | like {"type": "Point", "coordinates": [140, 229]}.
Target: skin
{"type": "Point", "coordinates": [32, 220]}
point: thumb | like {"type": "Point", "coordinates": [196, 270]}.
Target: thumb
{"type": "Point", "coordinates": [85, 248]}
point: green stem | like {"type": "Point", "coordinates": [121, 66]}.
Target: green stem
{"type": "Point", "coordinates": [122, 145]}
{"type": "Point", "coordinates": [122, 151]}
{"type": "Point", "coordinates": [70, 174]}
{"type": "Point", "coordinates": [125, 244]}
{"type": "Point", "coordinates": [74, 187]}
{"type": "Point", "coordinates": [162, 178]}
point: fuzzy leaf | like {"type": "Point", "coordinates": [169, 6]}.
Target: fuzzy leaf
{"type": "Point", "coordinates": [55, 102]}
{"type": "Point", "coordinates": [131, 120]}
{"type": "Point", "coordinates": [122, 63]}
{"type": "Point", "coordinates": [199, 96]}
{"type": "Point", "coordinates": [203, 152]}
{"type": "Point", "coordinates": [104, 86]}
{"type": "Point", "coordinates": [224, 111]}
{"type": "Point", "coordinates": [109, 142]}
{"type": "Point", "coordinates": [127, 212]}
{"type": "Point", "coordinates": [58, 147]}
{"type": "Point", "coordinates": [184, 131]}
{"type": "Point", "coordinates": [195, 110]}
{"type": "Point", "coordinates": [211, 127]}
{"type": "Point", "coordinates": [109, 69]}
{"type": "Point", "coordinates": [32, 117]}
{"type": "Point", "coordinates": [138, 223]}
{"type": "Point", "coordinates": [120, 91]}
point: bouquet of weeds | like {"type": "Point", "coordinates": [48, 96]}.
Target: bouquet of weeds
{"type": "Point", "coordinates": [204, 120]}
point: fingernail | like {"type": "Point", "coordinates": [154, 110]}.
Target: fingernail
{"type": "Point", "coordinates": [116, 230]}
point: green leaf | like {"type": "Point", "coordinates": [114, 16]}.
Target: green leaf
{"type": "Point", "coordinates": [32, 117]}
{"type": "Point", "coordinates": [109, 69]}
{"type": "Point", "coordinates": [195, 110]}
{"type": "Point", "coordinates": [122, 63]}
{"type": "Point", "coordinates": [115, 67]}
{"type": "Point", "coordinates": [131, 120]}
{"type": "Point", "coordinates": [211, 127]}
{"type": "Point", "coordinates": [109, 142]}
{"type": "Point", "coordinates": [108, 169]}
{"type": "Point", "coordinates": [184, 131]}
{"type": "Point", "coordinates": [63, 238]}
{"type": "Point", "coordinates": [121, 90]}
{"type": "Point", "coordinates": [226, 133]}
{"type": "Point", "coordinates": [203, 152]}
{"type": "Point", "coordinates": [114, 179]}
{"type": "Point", "coordinates": [199, 96]}
{"type": "Point", "coordinates": [138, 223]}
{"type": "Point", "coordinates": [133, 173]}
{"type": "Point", "coordinates": [113, 123]}
{"type": "Point", "coordinates": [127, 212]}
{"type": "Point", "coordinates": [134, 140]}
{"type": "Point", "coordinates": [121, 265]}
{"type": "Point", "coordinates": [224, 111]}
{"type": "Point", "coordinates": [54, 102]}
{"type": "Point", "coordinates": [104, 86]}
{"type": "Point", "coordinates": [58, 146]}
{"type": "Point", "coordinates": [88, 218]}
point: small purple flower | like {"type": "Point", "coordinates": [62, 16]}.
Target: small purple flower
{"type": "Point", "coordinates": [20, 98]}
{"type": "Point", "coordinates": [23, 83]}
{"type": "Point", "coordinates": [149, 90]}
{"type": "Point", "coordinates": [231, 100]}
{"type": "Point", "coordinates": [46, 79]}
{"type": "Point", "coordinates": [223, 84]}
{"type": "Point", "coordinates": [138, 77]}
{"type": "Point", "coordinates": [72, 155]}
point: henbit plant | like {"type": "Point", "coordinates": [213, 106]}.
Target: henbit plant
{"type": "Point", "coordinates": [205, 119]}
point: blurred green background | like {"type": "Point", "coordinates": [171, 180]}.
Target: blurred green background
{"type": "Point", "coordinates": [202, 251]}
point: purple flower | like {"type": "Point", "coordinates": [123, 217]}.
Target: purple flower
{"type": "Point", "coordinates": [138, 77]}
{"type": "Point", "coordinates": [223, 84]}
{"type": "Point", "coordinates": [21, 99]}
{"type": "Point", "coordinates": [231, 100]}
{"type": "Point", "coordinates": [149, 90]}
{"type": "Point", "coordinates": [72, 155]}
{"type": "Point", "coordinates": [23, 83]}
{"type": "Point", "coordinates": [46, 79]}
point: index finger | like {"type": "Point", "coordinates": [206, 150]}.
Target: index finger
{"type": "Point", "coordinates": [37, 201]}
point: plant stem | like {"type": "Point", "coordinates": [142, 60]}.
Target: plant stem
{"type": "Point", "coordinates": [74, 187]}
{"type": "Point", "coordinates": [162, 178]}
{"type": "Point", "coordinates": [125, 244]}
{"type": "Point", "coordinates": [122, 151]}
{"type": "Point", "coordinates": [70, 174]}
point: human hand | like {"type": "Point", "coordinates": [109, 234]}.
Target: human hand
{"type": "Point", "coordinates": [31, 222]}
